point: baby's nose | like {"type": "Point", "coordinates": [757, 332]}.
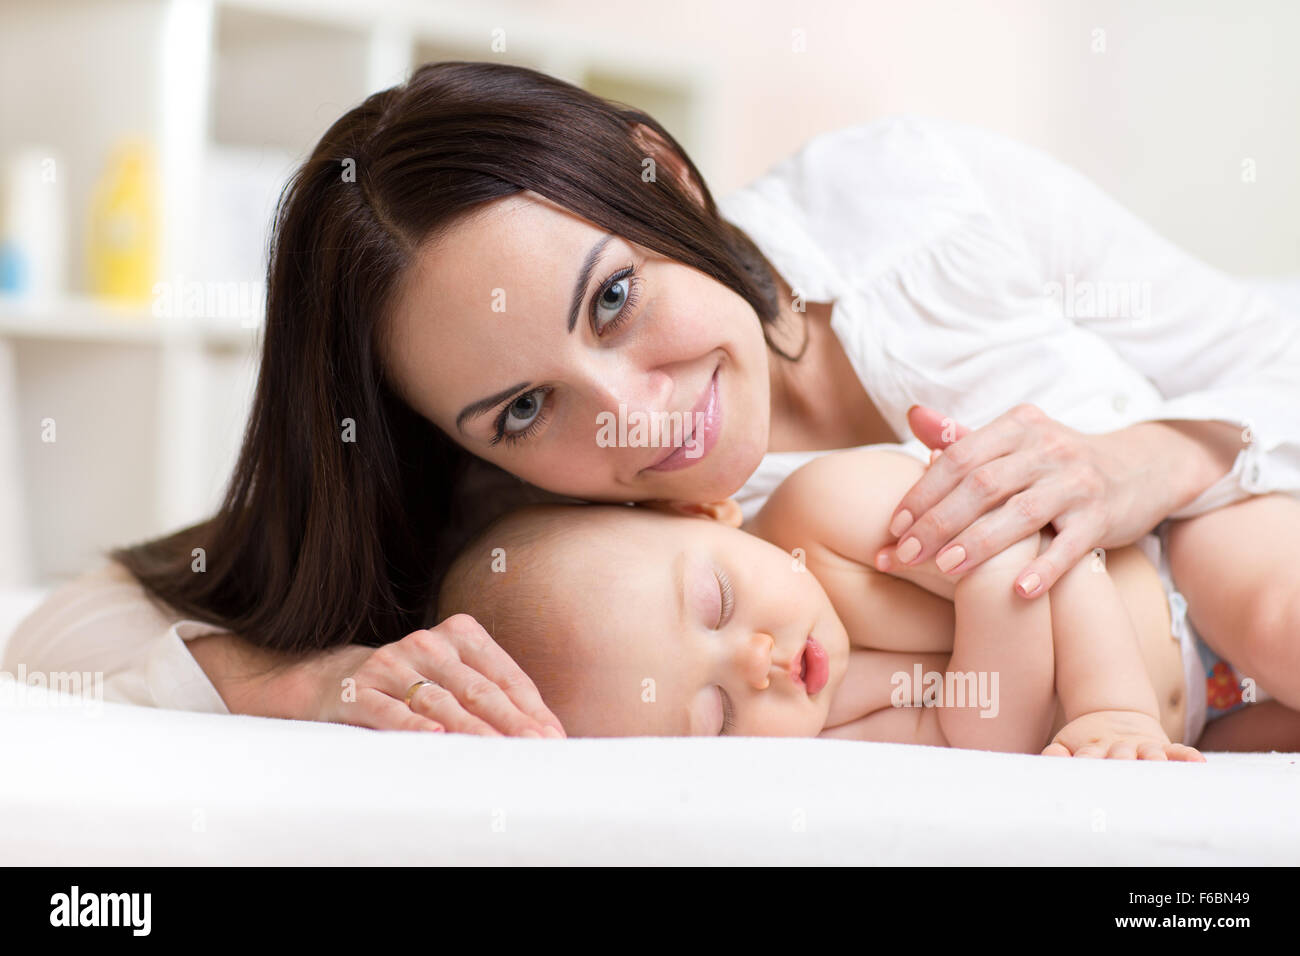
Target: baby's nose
{"type": "Point", "coordinates": [756, 660]}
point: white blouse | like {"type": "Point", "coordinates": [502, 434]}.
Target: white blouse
{"type": "Point", "coordinates": [968, 273]}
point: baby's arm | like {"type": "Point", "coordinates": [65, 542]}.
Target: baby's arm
{"type": "Point", "coordinates": [841, 504]}
{"type": "Point", "coordinates": [1008, 639]}
{"type": "Point", "coordinates": [1109, 703]}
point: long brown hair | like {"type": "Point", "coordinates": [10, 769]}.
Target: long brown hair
{"type": "Point", "coordinates": [321, 541]}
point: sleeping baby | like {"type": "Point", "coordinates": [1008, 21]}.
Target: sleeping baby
{"type": "Point", "coordinates": [633, 621]}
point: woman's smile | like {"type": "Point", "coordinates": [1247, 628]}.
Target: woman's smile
{"type": "Point", "coordinates": [703, 425]}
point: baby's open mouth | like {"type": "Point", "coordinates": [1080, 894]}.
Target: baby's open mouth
{"type": "Point", "coordinates": [814, 666]}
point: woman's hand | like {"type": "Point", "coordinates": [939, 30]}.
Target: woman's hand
{"type": "Point", "coordinates": [1025, 471]}
{"type": "Point", "coordinates": [476, 688]}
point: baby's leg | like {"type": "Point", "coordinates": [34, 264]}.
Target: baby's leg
{"type": "Point", "coordinates": [1262, 727]}
{"type": "Point", "coordinates": [1239, 569]}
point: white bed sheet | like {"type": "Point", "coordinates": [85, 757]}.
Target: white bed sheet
{"type": "Point", "coordinates": [113, 784]}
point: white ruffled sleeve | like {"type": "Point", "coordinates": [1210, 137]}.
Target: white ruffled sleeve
{"type": "Point", "coordinates": [103, 628]}
{"type": "Point", "coordinates": [1216, 348]}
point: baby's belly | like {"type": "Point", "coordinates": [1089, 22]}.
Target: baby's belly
{"type": "Point", "coordinates": [1143, 595]}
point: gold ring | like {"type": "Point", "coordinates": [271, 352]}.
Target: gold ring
{"type": "Point", "coordinates": [414, 687]}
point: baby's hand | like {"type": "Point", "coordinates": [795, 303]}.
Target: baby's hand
{"type": "Point", "coordinates": [1118, 735]}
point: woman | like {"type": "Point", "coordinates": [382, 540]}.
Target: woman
{"type": "Point", "coordinates": [514, 259]}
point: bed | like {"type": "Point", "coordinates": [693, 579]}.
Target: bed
{"type": "Point", "coordinates": [88, 783]}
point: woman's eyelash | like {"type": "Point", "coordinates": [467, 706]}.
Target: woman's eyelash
{"type": "Point", "coordinates": [633, 296]}
{"type": "Point", "coordinates": [728, 714]}
{"type": "Point", "coordinates": [511, 437]}
{"type": "Point", "coordinates": [728, 598]}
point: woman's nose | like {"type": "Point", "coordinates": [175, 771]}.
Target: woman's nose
{"type": "Point", "coordinates": [638, 390]}
{"type": "Point", "coordinates": [754, 659]}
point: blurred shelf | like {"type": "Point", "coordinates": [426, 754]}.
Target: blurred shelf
{"type": "Point", "coordinates": [83, 319]}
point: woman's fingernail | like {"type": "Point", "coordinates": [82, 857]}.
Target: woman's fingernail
{"type": "Point", "coordinates": [531, 733]}
{"type": "Point", "coordinates": [908, 550]}
{"type": "Point", "coordinates": [949, 559]}
{"type": "Point", "coordinates": [901, 523]}
{"type": "Point", "coordinates": [549, 731]}
{"type": "Point", "coordinates": [1029, 583]}
{"type": "Point", "coordinates": [882, 561]}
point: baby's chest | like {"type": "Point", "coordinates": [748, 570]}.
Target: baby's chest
{"type": "Point", "coordinates": [875, 680]}
{"type": "Point", "coordinates": [896, 630]}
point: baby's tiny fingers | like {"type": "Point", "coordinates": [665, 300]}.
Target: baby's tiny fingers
{"type": "Point", "coordinates": [1185, 753]}
{"type": "Point", "coordinates": [1055, 749]}
{"type": "Point", "coordinates": [1092, 751]}
{"type": "Point", "coordinates": [1151, 750]}
{"type": "Point", "coordinates": [1123, 750]}
{"type": "Point", "coordinates": [885, 559]}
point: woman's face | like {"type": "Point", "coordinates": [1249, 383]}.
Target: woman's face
{"type": "Point", "coordinates": [579, 362]}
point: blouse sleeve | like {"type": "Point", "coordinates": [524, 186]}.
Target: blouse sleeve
{"type": "Point", "coordinates": [105, 628]}
{"type": "Point", "coordinates": [1215, 348]}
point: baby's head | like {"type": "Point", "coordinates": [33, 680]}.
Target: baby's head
{"type": "Point", "coordinates": [632, 621]}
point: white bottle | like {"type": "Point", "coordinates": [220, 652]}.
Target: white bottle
{"type": "Point", "coordinates": [33, 224]}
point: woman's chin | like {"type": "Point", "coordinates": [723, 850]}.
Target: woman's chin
{"type": "Point", "coordinates": [731, 469]}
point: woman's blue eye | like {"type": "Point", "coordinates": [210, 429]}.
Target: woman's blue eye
{"type": "Point", "coordinates": [619, 293]}
{"type": "Point", "coordinates": [521, 413]}
{"type": "Point", "coordinates": [523, 417]}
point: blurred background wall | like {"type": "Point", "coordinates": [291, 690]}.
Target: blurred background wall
{"type": "Point", "coordinates": [142, 144]}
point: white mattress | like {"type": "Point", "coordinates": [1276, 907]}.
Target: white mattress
{"type": "Point", "coordinates": [113, 784]}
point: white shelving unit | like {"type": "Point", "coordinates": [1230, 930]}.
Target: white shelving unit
{"type": "Point", "coordinates": [231, 94]}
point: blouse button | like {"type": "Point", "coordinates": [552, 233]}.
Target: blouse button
{"type": "Point", "coordinates": [1254, 474]}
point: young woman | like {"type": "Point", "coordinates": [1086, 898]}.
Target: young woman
{"type": "Point", "coordinates": [514, 260]}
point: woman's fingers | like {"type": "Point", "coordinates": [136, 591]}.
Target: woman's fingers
{"type": "Point", "coordinates": [442, 705]}
{"type": "Point", "coordinates": [473, 686]}
{"type": "Point", "coordinates": [379, 711]}
{"type": "Point", "coordinates": [966, 454]}
{"type": "Point", "coordinates": [1074, 538]}
{"type": "Point", "coordinates": [968, 479]}
{"type": "Point", "coordinates": [989, 529]}
{"type": "Point", "coordinates": [1021, 515]}
{"type": "Point", "coordinates": [935, 430]}
{"type": "Point", "coordinates": [465, 699]}
{"type": "Point", "coordinates": [477, 649]}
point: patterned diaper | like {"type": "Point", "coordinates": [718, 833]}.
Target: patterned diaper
{"type": "Point", "coordinates": [1213, 686]}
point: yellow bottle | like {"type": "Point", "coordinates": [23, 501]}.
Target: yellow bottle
{"type": "Point", "coordinates": [124, 227]}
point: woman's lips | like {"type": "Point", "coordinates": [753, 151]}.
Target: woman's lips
{"type": "Point", "coordinates": [816, 666]}
{"type": "Point", "coordinates": [706, 424]}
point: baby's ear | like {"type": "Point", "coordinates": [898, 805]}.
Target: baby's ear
{"type": "Point", "coordinates": [727, 511]}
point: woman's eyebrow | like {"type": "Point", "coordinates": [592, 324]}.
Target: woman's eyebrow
{"type": "Point", "coordinates": [476, 409]}
{"type": "Point", "coordinates": [584, 276]}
